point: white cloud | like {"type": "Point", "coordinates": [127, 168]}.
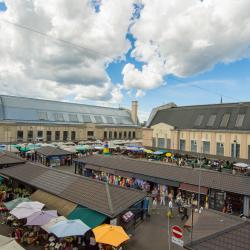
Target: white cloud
{"type": "Point", "coordinates": [185, 38]}
{"type": "Point", "coordinates": [40, 66]}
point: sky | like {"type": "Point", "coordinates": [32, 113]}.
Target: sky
{"type": "Point", "coordinates": [108, 52]}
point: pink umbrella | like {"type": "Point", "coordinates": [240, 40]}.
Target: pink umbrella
{"type": "Point", "coordinates": [41, 217]}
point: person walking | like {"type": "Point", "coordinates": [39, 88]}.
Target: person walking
{"type": "Point", "coordinates": [163, 198]}
{"type": "Point", "coordinates": [170, 209]}
{"type": "Point", "coordinates": [154, 207]}
{"type": "Point", "coordinates": [185, 213]}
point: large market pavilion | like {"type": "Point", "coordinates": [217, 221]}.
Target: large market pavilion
{"type": "Point", "coordinates": [214, 184]}
{"type": "Point", "coordinates": [76, 196]}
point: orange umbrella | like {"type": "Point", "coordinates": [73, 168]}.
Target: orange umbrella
{"type": "Point", "coordinates": [110, 235]}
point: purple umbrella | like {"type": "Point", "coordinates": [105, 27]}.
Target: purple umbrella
{"type": "Point", "coordinates": [41, 217]}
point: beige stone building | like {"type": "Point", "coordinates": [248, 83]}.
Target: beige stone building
{"type": "Point", "coordinates": [36, 120]}
{"type": "Point", "coordinates": [219, 129]}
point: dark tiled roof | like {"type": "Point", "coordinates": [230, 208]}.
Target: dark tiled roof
{"type": "Point", "coordinates": [210, 179]}
{"type": "Point", "coordinates": [185, 117]}
{"type": "Point", "coordinates": [52, 151]}
{"type": "Point", "coordinates": [233, 238]}
{"type": "Point", "coordinates": [96, 195]}
{"type": "Point", "coordinates": [8, 158]}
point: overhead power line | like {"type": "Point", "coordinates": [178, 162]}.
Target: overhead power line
{"type": "Point", "coordinates": [65, 42]}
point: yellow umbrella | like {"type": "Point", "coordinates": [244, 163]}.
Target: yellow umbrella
{"type": "Point", "coordinates": [110, 235]}
{"type": "Point", "coordinates": [168, 154]}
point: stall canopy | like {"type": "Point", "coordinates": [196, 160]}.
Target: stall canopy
{"type": "Point", "coordinates": [53, 202]}
{"type": "Point", "coordinates": [193, 188]}
{"type": "Point", "coordinates": [88, 216]}
{"type": "Point", "coordinates": [7, 243]}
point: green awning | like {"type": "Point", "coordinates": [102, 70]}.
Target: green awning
{"type": "Point", "coordinates": [89, 217]}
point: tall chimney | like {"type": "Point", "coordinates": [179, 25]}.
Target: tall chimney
{"type": "Point", "coordinates": [134, 108]}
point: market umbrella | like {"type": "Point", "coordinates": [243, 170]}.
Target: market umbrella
{"type": "Point", "coordinates": [111, 235]}
{"type": "Point", "coordinates": [52, 222]}
{"type": "Point", "coordinates": [67, 228]}
{"type": "Point", "coordinates": [12, 204]}
{"type": "Point", "coordinates": [7, 243]}
{"type": "Point", "coordinates": [25, 209]}
{"type": "Point", "coordinates": [41, 217]}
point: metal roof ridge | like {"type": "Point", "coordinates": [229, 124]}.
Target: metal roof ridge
{"type": "Point", "coordinates": [109, 198]}
{"type": "Point", "coordinates": [74, 103]}
{"type": "Point", "coordinates": [164, 164]}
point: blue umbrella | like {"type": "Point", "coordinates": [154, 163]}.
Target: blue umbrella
{"type": "Point", "coordinates": [69, 228]}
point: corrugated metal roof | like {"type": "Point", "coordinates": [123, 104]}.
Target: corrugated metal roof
{"type": "Point", "coordinates": [185, 117]}
{"type": "Point", "coordinates": [38, 110]}
{"type": "Point", "coordinates": [8, 158]}
{"type": "Point", "coordinates": [233, 238]}
{"type": "Point", "coordinates": [210, 179]}
{"type": "Point", "coordinates": [52, 151]}
{"type": "Point", "coordinates": [77, 189]}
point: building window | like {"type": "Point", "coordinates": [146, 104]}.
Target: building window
{"type": "Point", "coordinates": [120, 135]}
{"type": "Point", "coordinates": [239, 120]}
{"type": "Point", "coordinates": [198, 120]}
{"type": "Point", "coordinates": [39, 134]}
{"type": "Point", "coordinates": [105, 134]}
{"type": "Point", "coordinates": [206, 147]}
{"type": "Point", "coordinates": [182, 145]}
{"type": "Point", "coordinates": [168, 144]}
{"type": "Point", "coordinates": [73, 118]}
{"type": "Point", "coordinates": [129, 134]}
{"type": "Point", "coordinates": [220, 148]}
{"type": "Point", "coordinates": [30, 135]}
{"type": "Point", "coordinates": [115, 135]}
{"type": "Point", "coordinates": [42, 115]}
{"type": "Point", "coordinates": [125, 134]}
{"type": "Point", "coordinates": [65, 135]}
{"type": "Point", "coordinates": [73, 135]}
{"type": "Point", "coordinates": [211, 120]}
{"type": "Point", "coordinates": [110, 134]}
{"type": "Point", "coordinates": [59, 117]}
{"type": "Point", "coordinates": [133, 134]}
{"type": "Point", "coordinates": [19, 135]}
{"type": "Point", "coordinates": [48, 136]}
{"type": "Point", "coordinates": [86, 118]}
{"type": "Point", "coordinates": [161, 142]}
{"type": "Point", "coordinates": [57, 136]}
{"type": "Point", "coordinates": [90, 133]}
{"type": "Point", "coordinates": [225, 120]}
{"type": "Point", "coordinates": [235, 150]}
{"type": "Point", "coordinates": [193, 146]}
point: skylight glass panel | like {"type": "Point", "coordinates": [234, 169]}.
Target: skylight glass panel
{"type": "Point", "coordinates": [59, 117]}
{"type": "Point", "coordinates": [98, 119]}
{"type": "Point", "coordinates": [118, 120]}
{"type": "Point", "coordinates": [199, 120]}
{"type": "Point", "coordinates": [73, 118]}
{"type": "Point", "coordinates": [211, 120]}
{"type": "Point", "coordinates": [225, 120]}
{"type": "Point", "coordinates": [42, 115]}
{"type": "Point", "coordinates": [86, 118]}
{"type": "Point", "coordinates": [109, 119]}
{"type": "Point", "coordinates": [239, 120]}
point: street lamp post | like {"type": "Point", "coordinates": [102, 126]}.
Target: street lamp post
{"type": "Point", "coordinates": [199, 181]}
